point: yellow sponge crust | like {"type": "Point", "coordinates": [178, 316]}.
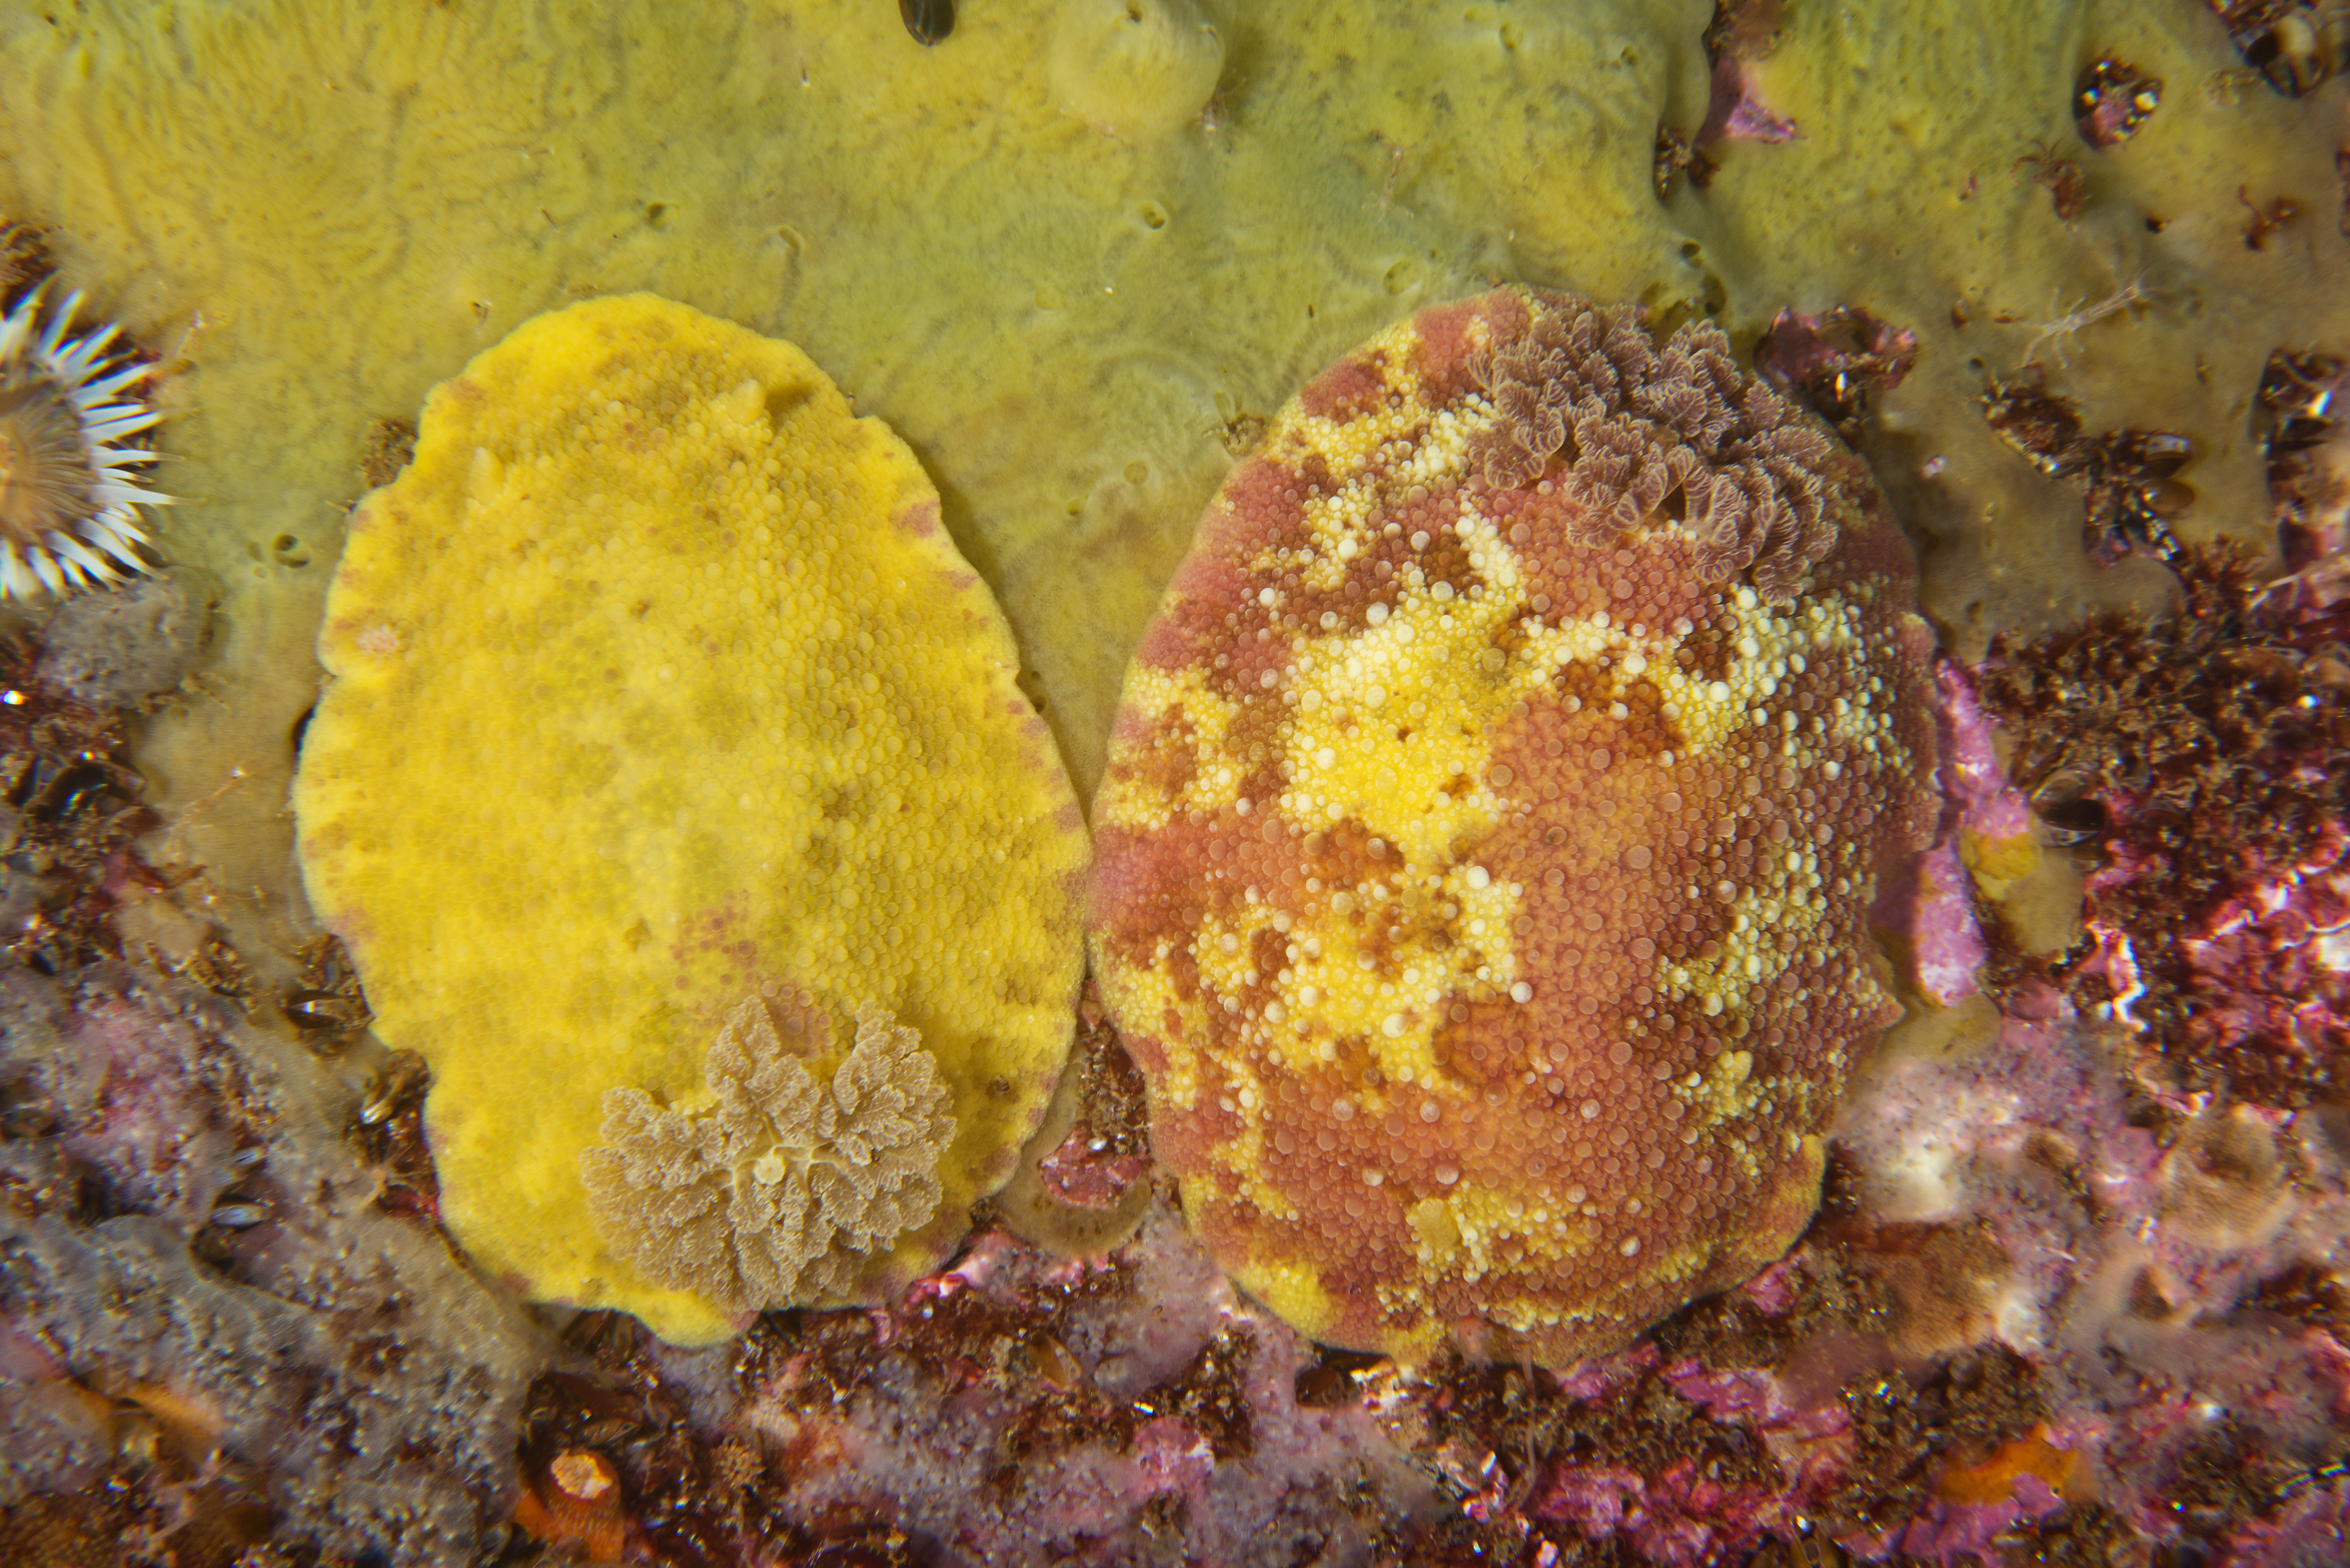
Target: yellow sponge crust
{"type": "Point", "coordinates": [1999, 864]}
{"type": "Point", "coordinates": [655, 684]}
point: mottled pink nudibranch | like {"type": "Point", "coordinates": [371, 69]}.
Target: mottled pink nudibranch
{"type": "Point", "coordinates": [1491, 827]}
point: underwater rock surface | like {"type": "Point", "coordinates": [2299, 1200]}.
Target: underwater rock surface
{"type": "Point", "coordinates": [2070, 276]}
{"type": "Point", "coordinates": [203, 1287]}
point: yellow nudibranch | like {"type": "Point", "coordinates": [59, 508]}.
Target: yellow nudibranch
{"type": "Point", "coordinates": [663, 713]}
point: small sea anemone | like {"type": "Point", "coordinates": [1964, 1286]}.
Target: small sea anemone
{"type": "Point", "coordinates": [69, 508]}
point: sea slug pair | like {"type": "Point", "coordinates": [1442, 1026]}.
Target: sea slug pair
{"type": "Point", "coordinates": [1486, 861]}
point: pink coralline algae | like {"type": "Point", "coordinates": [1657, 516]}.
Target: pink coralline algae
{"type": "Point", "coordinates": [1933, 910]}
{"type": "Point", "coordinates": [1492, 824]}
{"type": "Point", "coordinates": [1018, 1410]}
{"type": "Point", "coordinates": [1954, 1535]}
{"type": "Point", "coordinates": [2205, 758]}
{"type": "Point", "coordinates": [1980, 798]}
{"type": "Point", "coordinates": [2131, 1270]}
{"type": "Point", "coordinates": [1686, 1514]}
{"type": "Point", "coordinates": [1946, 940]}
{"type": "Point", "coordinates": [1667, 1461]}
{"type": "Point", "coordinates": [2312, 1531]}
{"type": "Point", "coordinates": [1837, 359]}
{"type": "Point", "coordinates": [1083, 1172]}
{"type": "Point", "coordinates": [2273, 961]}
{"type": "Point", "coordinates": [1737, 115]}
{"type": "Point", "coordinates": [208, 1319]}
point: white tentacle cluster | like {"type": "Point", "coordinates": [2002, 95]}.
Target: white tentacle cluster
{"type": "Point", "coordinates": [69, 499]}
